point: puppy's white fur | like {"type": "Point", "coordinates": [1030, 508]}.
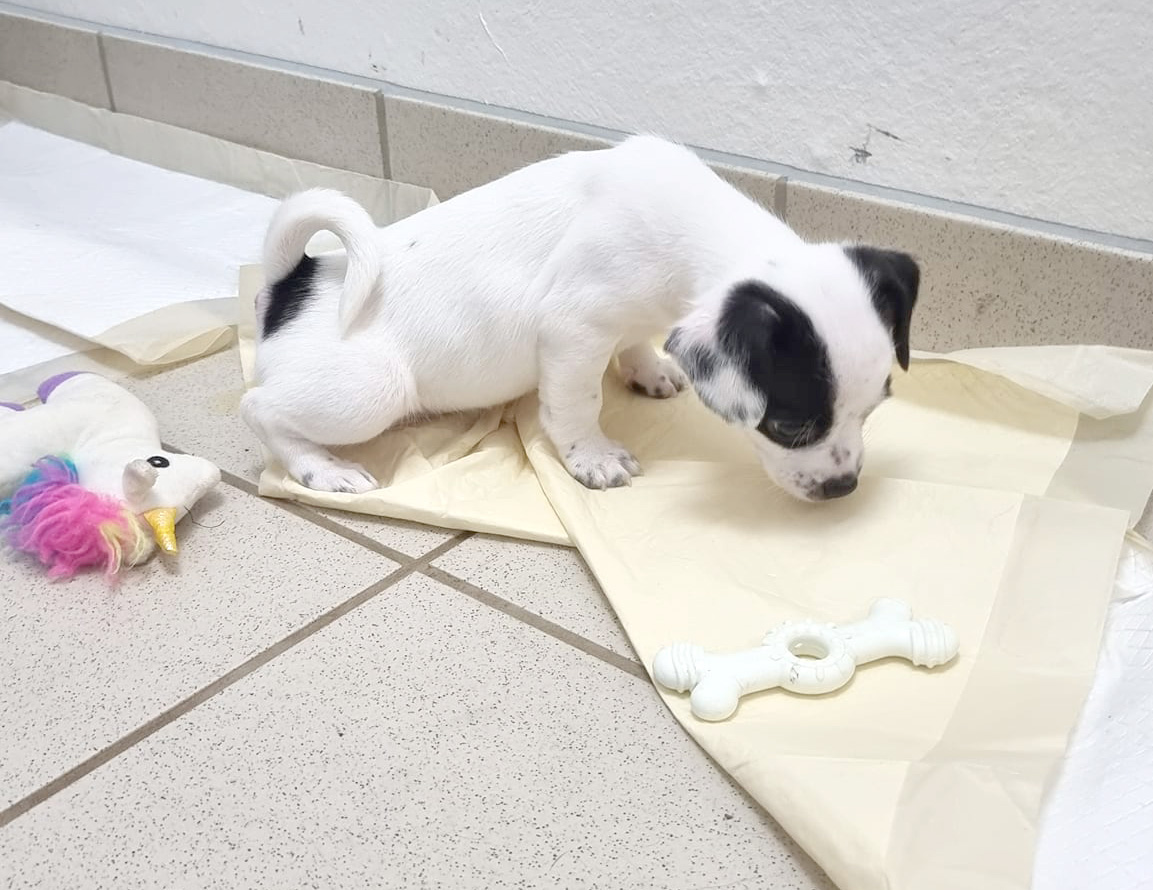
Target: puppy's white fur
{"type": "Point", "coordinates": [536, 281]}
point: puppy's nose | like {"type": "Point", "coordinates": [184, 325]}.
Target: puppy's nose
{"type": "Point", "coordinates": [838, 486]}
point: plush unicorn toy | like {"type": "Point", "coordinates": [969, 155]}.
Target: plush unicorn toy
{"type": "Point", "coordinates": [85, 482]}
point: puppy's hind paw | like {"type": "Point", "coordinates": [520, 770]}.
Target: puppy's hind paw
{"type": "Point", "coordinates": [340, 476]}
{"type": "Point", "coordinates": [601, 464]}
{"type": "Point", "coordinates": [660, 378]}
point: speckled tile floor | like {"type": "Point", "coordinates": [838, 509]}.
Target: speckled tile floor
{"type": "Point", "coordinates": [307, 699]}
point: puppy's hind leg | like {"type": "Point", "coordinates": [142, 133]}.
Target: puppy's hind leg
{"type": "Point", "coordinates": [649, 374]}
{"type": "Point", "coordinates": [310, 464]}
{"type": "Point", "coordinates": [572, 370]}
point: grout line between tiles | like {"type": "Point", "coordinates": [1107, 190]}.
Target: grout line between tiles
{"type": "Point", "coordinates": [781, 198]}
{"type": "Point", "coordinates": [318, 519]}
{"type": "Point", "coordinates": [97, 760]}
{"type": "Point", "coordinates": [103, 54]}
{"type": "Point", "coordinates": [492, 600]}
{"type": "Point", "coordinates": [596, 650]}
{"type": "Point", "coordinates": [628, 665]}
{"type": "Point", "coordinates": [382, 128]}
{"type": "Point", "coordinates": [315, 518]}
{"type": "Point", "coordinates": [310, 515]}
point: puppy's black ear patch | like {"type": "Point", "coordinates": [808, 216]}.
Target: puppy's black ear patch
{"type": "Point", "coordinates": [760, 363]}
{"type": "Point", "coordinates": [783, 360]}
{"type": "Point", "coordinates": [894, 279]}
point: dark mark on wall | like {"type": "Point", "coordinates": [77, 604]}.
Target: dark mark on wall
{"type": "Point", "coordinates": [300, 25]}
{"type": "Point", "coordinates": [861, 153]}
{"type": "Point", "coordinates": [884, 132]}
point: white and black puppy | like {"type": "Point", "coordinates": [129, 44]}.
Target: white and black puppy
{"type": "Point", "coordinates": [539, 280]}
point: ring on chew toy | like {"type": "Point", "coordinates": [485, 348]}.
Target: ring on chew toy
{"type": "Point", "coordinates": [802, 656]}
{"type": "Point", "coordinates": [85, 482]}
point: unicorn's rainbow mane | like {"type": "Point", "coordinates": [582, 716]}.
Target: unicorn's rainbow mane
{"type": "Point", "coordinates": [66, 526]}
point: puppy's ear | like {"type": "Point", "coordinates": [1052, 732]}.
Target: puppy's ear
{"type": "Point", "coordinates": [719, 378]}
{"type": "Point", "coordinates": [894, 279]}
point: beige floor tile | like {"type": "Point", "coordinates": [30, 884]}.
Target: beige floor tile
{"type": "Point", "coordinates": [197, 407]}
{"type": "Point", "coordinates": [552, 582]}
{"type": "Point", "coordinates": [421, 741]}
{"type": "Point", "coordinates": [82, 665]}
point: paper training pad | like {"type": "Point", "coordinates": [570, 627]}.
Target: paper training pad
{"type": "Point", "coordinates": [93, 241]}
{"type": "Point", "coordinates": [983, 504]}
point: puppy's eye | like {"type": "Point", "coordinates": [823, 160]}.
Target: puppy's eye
{"type": "Point", "coordinates": [158, 461]}
{"type": "Point", "coordinates": [786, 432]}
{"type": "Point", "coordinates": [788, 429]}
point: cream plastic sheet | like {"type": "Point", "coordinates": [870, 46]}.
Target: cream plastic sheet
{"type": "Point", "coordinates": [1097, 823]}
{"type": "Point", "coordinates": [158, 293]}
{"type": "Point", "coordinates": [986, 504]}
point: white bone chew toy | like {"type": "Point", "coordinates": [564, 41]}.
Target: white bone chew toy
{"type": "Point", "coordinates": [802, 656]}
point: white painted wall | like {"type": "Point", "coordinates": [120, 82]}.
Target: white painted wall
{"type": "Point", "coordinates": [1034, 107]}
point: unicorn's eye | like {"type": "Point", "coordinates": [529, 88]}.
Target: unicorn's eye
{"type": "Point", "coordinates": [158, 461]}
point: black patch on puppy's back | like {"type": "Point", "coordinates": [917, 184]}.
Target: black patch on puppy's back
{"type": "Point", "coordinates": [287, 297]}
{"type": "Point", "coordinates": [773, 341]}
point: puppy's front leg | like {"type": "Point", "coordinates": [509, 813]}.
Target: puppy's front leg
{"type": "Point", "coordinates": [570, 410]}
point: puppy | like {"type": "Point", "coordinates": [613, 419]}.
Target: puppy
{"type": "Point", "coordinates": [540, 280]}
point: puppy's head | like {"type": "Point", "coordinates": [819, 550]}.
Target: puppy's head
{"type": "Point", "coordinates": [800, 354]}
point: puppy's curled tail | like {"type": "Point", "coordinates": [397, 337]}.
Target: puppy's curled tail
{"type": "Point", "coordinates": [304, 214]}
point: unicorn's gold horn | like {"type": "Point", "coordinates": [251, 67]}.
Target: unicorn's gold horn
{"type": "Point", "coordinates": [163, 522]}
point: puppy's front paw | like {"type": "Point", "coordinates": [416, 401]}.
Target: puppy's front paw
{"type": "Point", "coordinates": [601, 464]}
{"type": "Point", "coordinates": [341, 476]}
{"type": "Point", "coordinates": [659, 378]}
